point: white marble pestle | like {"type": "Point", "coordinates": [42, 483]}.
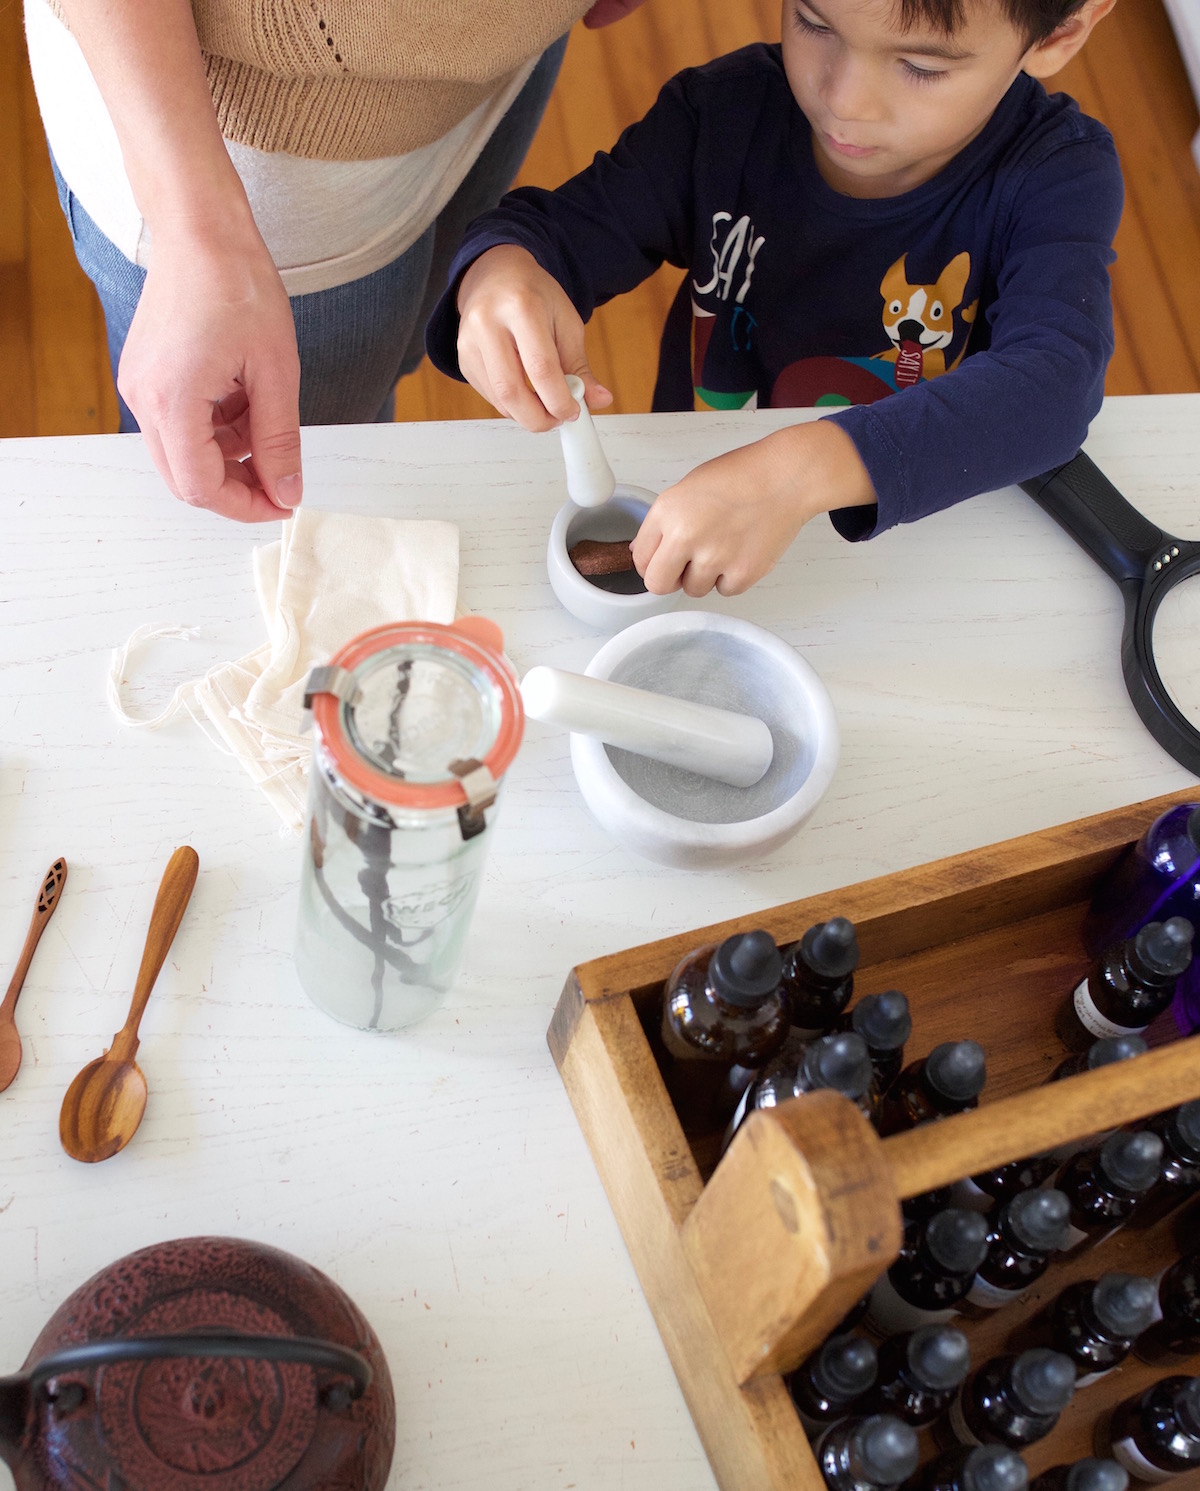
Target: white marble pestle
{"type": "Point", "coordinates": [590, 480]}
{"type": "Point", "coordinates": [717, 743]}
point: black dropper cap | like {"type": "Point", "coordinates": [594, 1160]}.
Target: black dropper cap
{"type": "Point", "coordinates": [1163, 949]}
{"type": "Point", "coordinates": [830, 949]}
{"type": "Point", "coordinates": [1186, 1404]}
{"type": "Point", "coordinates": [957, 1070]}
{"type": "Point", "coordinates": [882, 1020]}
{"type": "Point", "coordinates": [1132, 1161]}
{"type": "Point", "coordinates": [1184, 1131]}
{"type": "Point", "coordinates": [886, 1449]}
{"type": "Point", "coordinates": [991, 1467]}
{"type": "Point", "coordinates": [1124, 1304]}
{"type": "Point", "coordinates": [845, 1368]}
{"type": "Point", "coordinates": [1110, 1049]}
{"type": "Point", "coordinates": [1096, 1475]}
{"type": "Point", "coordinates": [957, 1239]}
{"type": "Point", "coordinates": [938, 1357]}
{"type": "Point", "coordinates": [840, 1062]}
{"type": "Point", "coordinates": [1043, 1381]}
{"type": "Point", "coordinates": [1038, 1219]}
{"type": "Point", "coordinates": [745, 969]}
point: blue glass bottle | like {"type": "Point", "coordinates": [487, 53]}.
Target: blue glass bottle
{"type": "Point", "coordinates": [1158, 877]}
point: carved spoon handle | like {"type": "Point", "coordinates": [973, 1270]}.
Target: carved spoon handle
{"type": "Point", "coordinates": [174, 893]}
{"type": "Point", "coordinates": [48, 898]}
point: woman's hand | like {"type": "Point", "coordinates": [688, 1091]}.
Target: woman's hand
{"type": "Point", "coordinates": [211, 372]}
{"type": "Point", "coordinates": [728, 522]}
{"type": "Point", "coordinates": [518, 338]}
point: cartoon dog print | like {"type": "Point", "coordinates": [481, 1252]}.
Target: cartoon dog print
{"type": "Point", "coordinates": [919, 319]}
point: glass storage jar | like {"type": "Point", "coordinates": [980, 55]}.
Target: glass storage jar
{"type": "Point", "coordinates": [414, 725]}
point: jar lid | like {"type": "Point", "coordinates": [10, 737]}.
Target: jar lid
{"type": "Point", "coordinates": [415, 714]}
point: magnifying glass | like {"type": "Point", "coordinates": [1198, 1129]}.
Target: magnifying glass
{"type": "Point", "coordinates": [1159, 576]}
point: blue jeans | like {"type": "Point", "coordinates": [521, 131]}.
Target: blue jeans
{"type": "Point", "coordinates": [357, 340]}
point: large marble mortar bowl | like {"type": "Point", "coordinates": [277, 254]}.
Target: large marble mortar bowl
{"type": "Point", "coordinates": [674, 816]}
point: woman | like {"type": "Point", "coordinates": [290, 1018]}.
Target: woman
{"type": "Point", "coordinates": [267, 198]}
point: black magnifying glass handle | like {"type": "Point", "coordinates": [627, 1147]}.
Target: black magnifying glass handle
{"type": "Point", "coordinates": [1145, 562]}
{"type": "Point", "coordinates": [1081, 499]}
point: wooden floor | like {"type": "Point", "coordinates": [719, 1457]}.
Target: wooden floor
{"type": "Point", "coordinates": [54, 375]}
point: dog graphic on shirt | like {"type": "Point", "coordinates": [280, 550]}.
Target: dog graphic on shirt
{"type": "Point", "coordinates": [919, 319]}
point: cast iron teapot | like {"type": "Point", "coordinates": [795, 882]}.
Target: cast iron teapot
{"type": "Point", "coordinates": [205, 1364]}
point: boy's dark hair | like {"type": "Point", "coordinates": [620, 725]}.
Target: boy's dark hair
{"type": "Point", "coordinates": [1038, 19]}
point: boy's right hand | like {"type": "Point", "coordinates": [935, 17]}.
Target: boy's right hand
{"type": "Point", "coordinates": [518, 338]}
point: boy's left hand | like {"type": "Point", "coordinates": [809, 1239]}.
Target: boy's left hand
{"type": "Point", "coordinates": [726, 523]}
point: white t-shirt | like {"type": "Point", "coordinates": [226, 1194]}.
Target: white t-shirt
{"type": "Point", "coordinates": [324, 222]}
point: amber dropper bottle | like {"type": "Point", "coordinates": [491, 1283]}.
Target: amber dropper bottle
{"type": "Point", "coordinates": [1006, 1181]}
{"type": "Point", "coordinates": [948, 1080]}
{"type": "Point", "coordinates": [1013, 1400]}
{"type": "Point", "coordinates": [1156, 1434]}
{"type": "Point", "coordinates": [1103, 1052]}
{"type": "Point", "coordinates": [818, 976]}
{"type": "Point", "coordinates": [1084, 1475]}
{"type": "Point", "coordinates": [1104, 1185]}
{"type": "Point", "coordinates": [937, 1262]}
{"type": "Point", "coordinates": [836, 1062]}
{"type": "Point", "coordinates": [1025, 1232]}
{"type": "Point", "coordinates": [980, 1467]}
{"type": "Point", "coordinates": [1175, 1335]}
{"type": "Point", "coordinates": [722, 1006]}
{"type": "Point", "coordinates": [884, 1022]}
{"type": "Point", "coordinates": [1179, 1179]}
{"type": "Point", "coordinates": [919, 1374]}
{"type": "Point", "coordinates": [867, 1454]}
{"type": "Point", "coordinates": [828, 1384]}
{"type": "Point", "coordinates": [1128, 986]}
{"type": "Point", "coordinates": [1093, 1321]}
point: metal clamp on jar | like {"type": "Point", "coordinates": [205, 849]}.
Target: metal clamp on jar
{"type": "Point", "coordinates": [414, 726]}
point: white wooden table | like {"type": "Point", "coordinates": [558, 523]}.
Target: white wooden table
{"type": "Point", "coordinates": [439, 1175]}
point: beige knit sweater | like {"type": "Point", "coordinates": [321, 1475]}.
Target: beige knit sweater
{"type": "Point", "coordinates": [358, 79]}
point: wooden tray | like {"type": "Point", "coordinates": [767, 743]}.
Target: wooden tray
{"type": "Point", "coordinates": [747, 1269]}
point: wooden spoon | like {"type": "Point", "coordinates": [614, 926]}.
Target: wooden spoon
{"type": "Point", "coordinates": [10, 1041]}
{"type": "Point", "coordinates": [105, 1103]}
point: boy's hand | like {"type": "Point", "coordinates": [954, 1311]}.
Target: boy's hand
{"type": "Point", "coordinates": [726, 523]}
{"type": "Point", "coordinates": [517, 327]}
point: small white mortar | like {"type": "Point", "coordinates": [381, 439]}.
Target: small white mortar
{"type": "Point", "coordinates": [674, 816]}
{"type": "Point", "coordinates": [607, 610]}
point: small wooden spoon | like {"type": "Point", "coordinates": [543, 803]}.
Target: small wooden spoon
{"type": "Point", "coordinates": [105, 1102]}
{"type": "Point", "coordinates": [10, 1041]}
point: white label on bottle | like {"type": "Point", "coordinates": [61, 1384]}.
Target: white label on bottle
{"type": "Point", "coordinates": [959, 1424]}
{"type": "Point", "coordinates": [1126, 1453]}
{"type": "Point", "coordinates": [892, 1316]}
{"type": "Point", "coordinates": [1072, 1238]}
{"type": "Point", "coordinates": [1089, 1377]}
{"type": "Point", "coordinates": [1094, 1022]}
{"type": "Point", "coordinates": [738, 1113]}
{"type": "Point", "coordinates": [990, 1297]}
{"type": "Point", "coordinates": [1156, 1313]}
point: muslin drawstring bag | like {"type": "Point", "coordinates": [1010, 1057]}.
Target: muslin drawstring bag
{"type": "Point", "coordinates": [332, 576]}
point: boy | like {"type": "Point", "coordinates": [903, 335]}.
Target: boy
{"type": "Point", "coordinates": [885, 213]}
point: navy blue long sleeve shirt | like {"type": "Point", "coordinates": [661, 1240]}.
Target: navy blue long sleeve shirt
{"type": "Point", "coordinates": [961, 330]}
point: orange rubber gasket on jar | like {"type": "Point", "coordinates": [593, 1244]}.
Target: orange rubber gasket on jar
{"type": "Point", "coordinates": [350, 766]}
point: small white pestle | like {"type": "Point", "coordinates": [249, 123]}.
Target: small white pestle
{"type": "Point", "coordinates": [590, 481]}
{"type": "Point", "coordinates": [717, 743]}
